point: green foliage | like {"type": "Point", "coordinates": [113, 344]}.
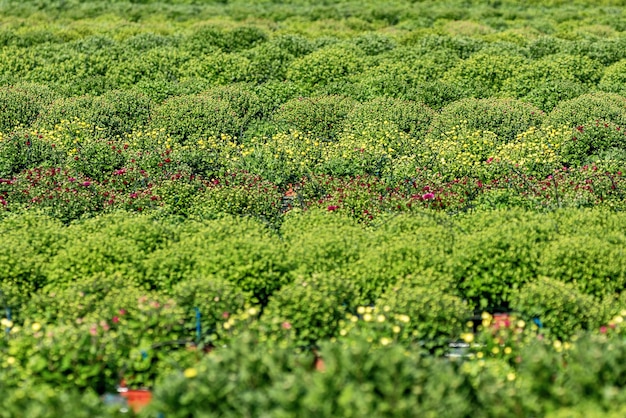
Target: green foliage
{"type": "Point", "coordinates": [436, 315]}
{"type": "Point", "coordinates": [189, 118]}
{"type": "Point", "coordinates": [326, 65]}
{"type": "Point", "coordinates": [504, 117]}
{"type": "Point", "coordinates": [22, 149]}
{"type": "Point", "coordinates": [613, 80]}
{"type": "Point", "coordinates": [607, 107]}
{"type": "Point", "coordinates": [489, 265]}
{"type": "Point", "coordinates": [592, 263]}
{"type": "Point", "coordinates": [410, 117]}
{"type": "Point", "coordinates": [113, 114]}
{"type": "Point", "coordinates": [484, 74]}
{"type": "Point", "coordinates": [21, 104]}
{"type": "Point", "coordinates": [309, 309]}
{"type": "Point", "coordinates": [322, 116]}
{"type": "Point", "coordinates": [560, 307]}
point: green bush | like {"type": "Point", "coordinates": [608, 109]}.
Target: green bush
{"type": "Point", "coordinates": [404, 247]}
{"type": "Point", "coordinates": [588, 108]}
{"type": "Point", "coordinates": [504, 117]}
{"type": "Point", "coordinates": [21, 150]}
{"type": "Point", "coordinates": [614, 78]}
{"type": "Point", "coordinates": [114, 113]}
{"type": "Point", "coordinates": [208, 300]}
{"type": "Point", "coordinates": [308, 310]}
{"type": "Point", "coordinates": [374, 43]}
{"type": "Point", "coordinates": [190, 118]}
{"type": "Point", "coordinates": [593, 140]}
{"type": "Point", "coordinates": [21, 104]}
{"type": "Point", "coordinates": [560, 307]}
{"type": "Point", "coordinates": [484, 74]}
{"type": "Point", "coordinates": [410, 117]}
{"type": "Point", "coordinates": [591, 263]}
{"type": "Point", "coordinates": [490, 265]}
{"type": "Point", "coordinates": [437, 316]}
{"type": "Point", "coordinates": [38, 400]}
{"type": "Point", "coordinates": [268, 62]}
{"type": "Point", "coordinates": [241, 251]}
{"type": "Point", "coordinates": [318, 243]}
{"type": "Point", "coordinates": [322, 116]}
{"type": "Point", "coordinates": [164, 63]}
{"type": "Point", "coordinates": [326, 65]}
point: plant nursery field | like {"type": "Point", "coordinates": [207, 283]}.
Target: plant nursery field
{"type": "Point", "coordinates": [304, 208]}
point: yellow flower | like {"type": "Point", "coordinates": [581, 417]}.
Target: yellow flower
{"type": "Point", "coordinates": [380, 318]}
{"type": "Point", "coordinates": [495, 350]}
{"type": "Point", "coordinates": [10, 361]}
{"type": "Point", "coordinates": [510, 377]}
{"type": "Point", "coordinates": [36, 326]}
{"type": "Point", "coordinates": [507, 350]}
{"type": "Point", "coordinates": [385, 341]}
{"type": "Point", "coordinates": [468, 337]}
{"type": "Point", "coordinates": [396, 329]}
{"type": "Point", "coordinates": [190, 373]}
{"type": "Point", "coordinates": [360, 310]}
{"type": "Point", "coordinates": [367, 317]}
{"type": "Point", "coordinates": [6, 323]}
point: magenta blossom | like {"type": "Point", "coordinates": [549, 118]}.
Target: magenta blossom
{"type": "Point", "coordinates": [428, 196]}
{"type": "Point", "coordinates": [332, 208]}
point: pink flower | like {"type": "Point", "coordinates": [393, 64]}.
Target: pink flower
{"type": "Point", "coordinates": [93, 330]}
{"type": "Point", "coordinates": [122, 312]}
{"type": "Point", "coordinates": [603, 329]}
{"type": "Point", "coordinates": [428, 196]}
{"type": "Point", "coordinates": [86, 183]}
{"type": "Point", "coordinates": [286, 325]}
{"type": "Point", "coordinates": [116, 319]}
{"type": "Point", "coordinates": [71, 179]}
{"type": "Point", "coordinates": [225, 315]}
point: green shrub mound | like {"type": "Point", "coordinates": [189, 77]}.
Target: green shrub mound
{"type": "Point", "coordinates": [326, 65]}
{"type": "Point", "coordinates": [559, 307]}
{"type": "Point", "coordinates": [591, 263]}
{"type": "Point", "coordinates": [309, 310]}
{"type": "Point", "coordinates": [190, 118]}
{"type": "Point", "coordinates": [437, 315]}
{"type": "Point", "coordinates": [112, 114]}
{"type": "Point", "coordinates": [21, 105]}
{"type": "Point", "coordinates": [322, 117]}
{"type": "Point", "coordinates": [504, 117]}
{"type": "Point", "coordinates": [410, 117]}
{"type": "Point", "coordinates": [586, 109]}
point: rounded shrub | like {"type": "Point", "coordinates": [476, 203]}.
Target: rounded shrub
{"type": "Point", "coordinates": [374, 43]}
{"type": "Point", "coordinates": [410, 117]}
{"type": "Point", "coordinates": [504, 117]}
{"type": "Point", "coordinates": [559, 307]}
{"type": "Point", "coordinates": [608, 107]}
{"type": "Point", "coordinates": [293, 44]}
{"type": "Point", "coordinates": [114, 113]}
{"type": "Point", "coordinates": [268, 62]}
{"type": "Point", "coordinates": [436, 314]}
{"type": "Point", "coordinates": [614, 78]}
{"type": "Point", "coordinates": [593, 140]}
{"type": "Point", "coordinates": [325, 65]}
{"type": "Point", "coordinates": [21, 104]}
{"type": "Point", "coordinates": [208, 301]}
{"type": "Point", "coordinates": [322, 116]}
{"type": "Point", "coordinates": [189, 118]}
{"type": "Point", "coordinates": [483, 74]}
{"type": "Point", "coordinates": [591, 263]}
{"type": "Point", "coordinates": [309, 310]}
{"type": "Point", "coordinates": [491, 263]}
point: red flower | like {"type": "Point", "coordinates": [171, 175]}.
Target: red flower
{"type": "Point", "coordinates": [332, 208]}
